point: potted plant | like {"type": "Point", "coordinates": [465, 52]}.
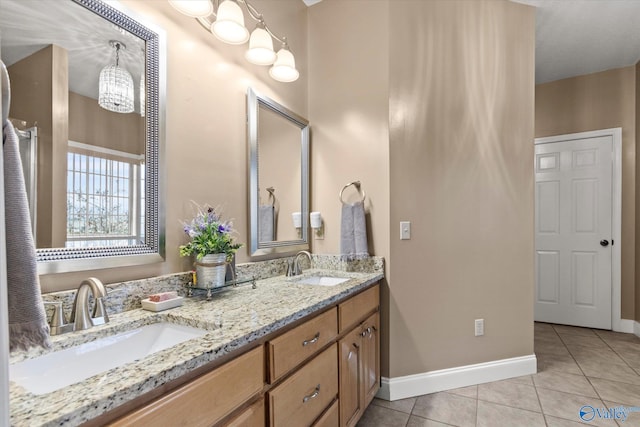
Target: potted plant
{"type": "Point", "coordinates": [212, 243]}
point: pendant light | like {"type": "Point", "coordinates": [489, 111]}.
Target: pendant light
{"type": "Point", "coordinates": [260, 50]}
{"type": "Point", "coordinates": [115, 90]}
{"type": "Point", "coordinates": [226, 22]}
{"type": "Point", "coordinates": [229, 24]}
{"type": "Point", "coordinates": [193, 8]}
{"type": "Point", "coordinates": [284, 69]}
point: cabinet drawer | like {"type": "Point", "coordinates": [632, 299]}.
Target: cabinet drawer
{"type": "Point", "coordinates": [253, 416]}
{"type": "Point", "coordinates": [330, 418]}
{"type": "Point", "coordinates": [207, 399]}
{"type": "Point", "coordinates": [354, 310]}
{"type": "Point", "coordinates": [304, 396]}
{"type": "Point", "coordinates": [290, 349]}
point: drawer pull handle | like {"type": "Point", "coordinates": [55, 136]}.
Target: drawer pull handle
{"type": "Point", "coordinates": [363, 333]}
{"type": "Point", "coordinates": [311, 341]}
{"type": "Point", "coordinates": [313, 395]}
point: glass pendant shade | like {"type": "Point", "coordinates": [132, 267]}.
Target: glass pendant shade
{"type": "Point", "coordinates": [115, 87]}
{"type": "Point", "coordinates": [193, 8]}
{"type": "Point", "coordinates": [229, 24]}
{"type": "Point", "coordinates": [260, 50]}
{"type": "Point", "coordinates": [284, 69]}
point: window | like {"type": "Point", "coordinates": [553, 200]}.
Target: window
{"type": "Point", "coordinates": [103, 207]}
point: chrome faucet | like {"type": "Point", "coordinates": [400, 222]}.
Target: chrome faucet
{"type": "Point", "coordinates": [80, 314]}
{"type": "Point", "coordinates": [294, 268]}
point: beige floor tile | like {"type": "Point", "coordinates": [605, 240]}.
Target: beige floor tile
{"type": "Point", "coordinates": [629, 419]}
{"type": "Point", "coordinates": [471, 391]}
{"type": "Point", "coordinates": [510, 394]}
{"type": "Point", "coordinates": [569, 383]}
{"type": "Point", "coordinates": [632, 358]}
{"type": "Point", "coordinates": [615, 391]}
{"type": "Point", "coordinates": [610, 336]}
{"type": "Point", "coordinates": [377, 416]}
{"type": "Point", "coordinates": [542, 327]}
{"type": "Point", "coordinates": [573, 330]}
{"type": "Point", "coordinates": [593, 341]}
{"type": "Point", "coordinates": [525, 379]}
{"type": "Point", "coordinates": [556, 363]}
{"type": "Point", "coordinates": [610, 371]}
{"type": "Point", "coordinates": [550, 347]}
{"type": "Point", "coordinates": [402, 405]}
{"type": "Point", "coordinates": [618, 346]}
{"type": "Point", "coordinates": [560, 422]}
{"type": "Point", "coordinates": [447, 408]}
{"type": "Point", "coordinates": [589, 354]}
{"type": "Point", "coordinates": [491, 415]}
{"type": "Point", "coordinates": [565, 405]}
{"type": "Point", "coordinates": [415, 421]}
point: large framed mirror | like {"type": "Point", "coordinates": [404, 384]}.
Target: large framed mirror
{"type": "Point", "coordinates": [88, 90]}
{"type": "Point", "coordinates": [278, 142]}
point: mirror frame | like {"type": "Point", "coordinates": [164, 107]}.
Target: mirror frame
{"type": "Point", "coordinates": [256, 101]}
{"type": "Point", "coordinates": [59, 260]}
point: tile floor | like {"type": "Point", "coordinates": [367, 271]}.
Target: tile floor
{"type": "Point", "coordinates": [576, 367]}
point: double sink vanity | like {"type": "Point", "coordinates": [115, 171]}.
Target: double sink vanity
{"type": "Point", "coordinates": [300, 350]}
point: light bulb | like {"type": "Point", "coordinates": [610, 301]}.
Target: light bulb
{"type": "Point", "coordinates": [193, 8]}
{"type": "Point", "coordinates": [229, 24]}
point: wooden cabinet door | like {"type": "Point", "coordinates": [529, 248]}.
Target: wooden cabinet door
{"type": "Point", "coordinates": [350, 357]}
{"type": "Point", "coordinates": [371, 358]}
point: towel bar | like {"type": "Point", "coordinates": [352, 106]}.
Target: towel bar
{"type": "Point", "coordinates": [358, 187]}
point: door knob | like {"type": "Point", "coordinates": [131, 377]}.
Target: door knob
{"type": "Point", "coordinates": [604, 243]}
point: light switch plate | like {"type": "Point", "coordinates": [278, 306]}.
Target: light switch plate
{"type": "Point", "coordinates": [405, 230]}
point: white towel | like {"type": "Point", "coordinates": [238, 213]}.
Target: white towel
{"type": "Point", "coordinates": [27, 318]}
{"type": "Point", "coordinates": [266, 225]}
{"type": "Point", "coordinates": [353, 231]}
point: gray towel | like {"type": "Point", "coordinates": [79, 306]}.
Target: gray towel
{"type": "Point", "coordinates": [353, 232]}
{"type": "Point", "coordinates": [266, 223]}
{"type": "Point", "coordinates": [27, 318]}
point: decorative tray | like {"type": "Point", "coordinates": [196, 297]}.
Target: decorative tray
{"type": "Point", "coordinates": [228, 284]}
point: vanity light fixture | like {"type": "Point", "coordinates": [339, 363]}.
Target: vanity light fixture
{"type": "Point", "coordinates": [317, 224]}
{"type": "Point", "coordinates": [225, 19]}
{"type": "Point", "coordinates": [115, 88]}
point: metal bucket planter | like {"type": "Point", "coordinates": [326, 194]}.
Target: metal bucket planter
{"type": "Point", "coordinates": [210, 271]}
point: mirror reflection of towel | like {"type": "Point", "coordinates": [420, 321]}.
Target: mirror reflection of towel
{"type": "Point", "coordinates": [27, 318]}
{"type": "Point", "coordinates": [266, 223]}
{"type": "Point", "coordinates": [353, 231]}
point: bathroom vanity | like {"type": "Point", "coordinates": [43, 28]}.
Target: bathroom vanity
{"type": "Point", "coordinates": [285, 353]}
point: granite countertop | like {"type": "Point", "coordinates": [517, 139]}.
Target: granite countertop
{"type": "Point", "coordinates": [234, 318]}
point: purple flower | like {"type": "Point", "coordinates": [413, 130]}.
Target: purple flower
{"type": "Point", "coordinates": [224, 228]}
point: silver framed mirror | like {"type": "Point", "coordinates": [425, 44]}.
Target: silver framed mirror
{"type": "Point", "coordinates": [115, 189]}
{"type": "Point", "coordinates": [278, 142]}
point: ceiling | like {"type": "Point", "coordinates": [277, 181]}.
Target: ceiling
{"type": "Point", "coordinates": [576, 37]}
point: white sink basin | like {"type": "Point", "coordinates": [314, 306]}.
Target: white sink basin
{"type": "Point", "coordinates": [322, 280]}
{"type": "Point", "coordinates": [59, 369]}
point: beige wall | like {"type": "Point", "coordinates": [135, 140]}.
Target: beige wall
{"type": "Point", "coordinates": [91, 124]}
{"type": "Point", "coordinates": [349, 114]}
{"type": "Point", "coordinates": [461, 170]}
{"type": "Point", "coordinates": [637, 247]}
{"type": "Point", "coordinates": [205, 153]}
{"type": "Point", "coordinates": [600, 101]}
{"type": "Point", "coordinates": [40, 95]}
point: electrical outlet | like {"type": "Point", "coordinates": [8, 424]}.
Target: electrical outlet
{"type": "Point", "coordinates": [479, 327]}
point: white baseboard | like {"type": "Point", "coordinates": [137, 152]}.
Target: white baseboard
{"type": "Point", "coordinates": [636, 329]}
{"type": "Point", "coordinates": [462, 376]}
{"type": "Point", "coordinates": [624, 325]}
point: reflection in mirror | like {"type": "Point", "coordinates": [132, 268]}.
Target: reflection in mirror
{"type": "Point", "coordinates": [279, 177]}
{"type": "Point", "coordinates": [94, 174]}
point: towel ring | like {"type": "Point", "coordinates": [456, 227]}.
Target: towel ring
{"type": "Point", "coordinates": [272, 196]}
{"type": "Point", "coordinates": [358, 187]}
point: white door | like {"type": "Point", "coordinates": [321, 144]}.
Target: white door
{"type": "Point", "coordinates": [573, 198]}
